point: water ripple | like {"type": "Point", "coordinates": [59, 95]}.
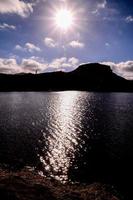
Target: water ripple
{"type": "Point", "coordinates": [61, 133]}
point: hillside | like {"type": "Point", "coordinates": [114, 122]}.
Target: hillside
{"type": "Point", "coordinates": [89, 77]}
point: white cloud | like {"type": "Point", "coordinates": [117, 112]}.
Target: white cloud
{"type": "Point", "coordinates": [124, 69]}
{"type": "Point", "coordinates": [31, 47]}
{"type": "Point", "coordinates": [129, 19]}
{"type": "Point", "coordinates": [102, 4]}
{"type": "Point", "coordinates": [76, 44]}
{"type": "Point", "coordinates": [104, 11]}
{"type": "Point", "coordinates": [38, 59]}
{"type": "Point", "coordinates": [58, 62]}
{"type": "Point", "coordinates": [18, 47]}
{"type": "Point", "coordinates": [38, 1]}
{"type": "Point", "coordinates": [9, 66]}
{"type": "Point", "coordinates": [49, 42]}
{"type": "Point", "coordinates": [107, 44]}
{"type": "Point", "coordinates": [99, 5]}
{"type": "Point", "coordinates": [33, 64]}
{"type": "Point", "coordinates": [5, 26]}
{"type": "Point", "coordinates": [74, 61]}
{"type": "Point", "coordinates": [30, 66]}
{"type": "Point", "coordinates": [64, 64]}
{"type": "Point", "coordinates": [27, 47]}
{"type": "Point", "coordinates": [16, 7]}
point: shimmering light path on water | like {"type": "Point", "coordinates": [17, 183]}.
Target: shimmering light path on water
{"type": "Point", "coordinates": [76, 136]}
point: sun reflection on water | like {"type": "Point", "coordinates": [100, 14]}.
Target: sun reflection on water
{"type": "Point", "coordinates": [63, 136]}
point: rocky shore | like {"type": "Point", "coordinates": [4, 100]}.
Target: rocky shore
{"type": "Point", "coordinates": [28, 185]}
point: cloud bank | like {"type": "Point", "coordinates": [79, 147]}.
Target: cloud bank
{"type": "Point", "coordinates": [18, 7]}
{"type": "Point", "coordinates": [124, 69]}
{"type": "Point", "coordinates": [31, 65]}
{"type": "Point", "coordinates": [9, 66]}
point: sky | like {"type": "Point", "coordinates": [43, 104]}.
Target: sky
{"type": "Point", "coordinates": [31, 37]}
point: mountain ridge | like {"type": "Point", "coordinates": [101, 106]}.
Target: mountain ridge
{"type": "Point", "coordinates": [87, 77]}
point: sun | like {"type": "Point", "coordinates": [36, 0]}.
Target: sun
{"type": "Point", "coordinates": [64, 19]}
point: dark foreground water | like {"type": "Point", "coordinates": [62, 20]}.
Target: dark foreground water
{"type": "Point", "coordinates": [71, 136]}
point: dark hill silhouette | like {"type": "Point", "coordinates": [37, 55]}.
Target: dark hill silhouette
{"type": "Point", "coordinates": [90, 77]}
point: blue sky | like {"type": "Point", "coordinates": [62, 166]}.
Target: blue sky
{"type": "Point", "coordinates": [30, 40]}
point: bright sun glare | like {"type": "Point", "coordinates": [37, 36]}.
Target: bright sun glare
{"type": "Point", "coordinates": [64, 19]}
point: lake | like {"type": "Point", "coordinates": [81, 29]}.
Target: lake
{"type": "Point", "coordinates": [71, 136]}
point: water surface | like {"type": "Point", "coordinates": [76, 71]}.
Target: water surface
{"type": "Point", "coordinates": [71, 136]}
